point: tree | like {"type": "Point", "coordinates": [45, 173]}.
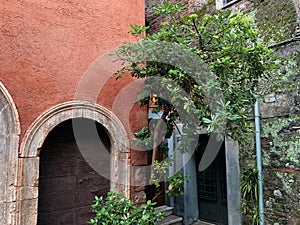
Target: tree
{"type": "Point", "coordinates": [205, 71]}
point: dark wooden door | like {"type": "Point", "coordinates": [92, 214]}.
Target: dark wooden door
{"type": "Point", "coordinates": [67, 184]}
{"type": "Point", "coordinates": [212, 194]}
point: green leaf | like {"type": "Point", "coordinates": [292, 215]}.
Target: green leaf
{"type": "Point", "coordinates": [206, 120]}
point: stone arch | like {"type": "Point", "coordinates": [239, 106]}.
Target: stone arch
{"type": "Point", "coordinates": [34, 139]}
{"type": "Point", "coordinates": [9, 144]}
{"type": "Point", "coordinates": [297, 6]}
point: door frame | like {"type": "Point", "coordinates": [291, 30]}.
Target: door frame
{"type": "Point", "coordinates": [190, 198]}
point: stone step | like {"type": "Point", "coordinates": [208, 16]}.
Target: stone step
{"type": "Point", "coordinates": [171, 220]}
{"type": "Point", "coordinates": [198, 222]}
{"type": "Point", "coordinates": [167, 210]}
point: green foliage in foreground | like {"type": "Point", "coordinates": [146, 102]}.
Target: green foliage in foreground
{"type": "Point", "coordinates": [116, 210]}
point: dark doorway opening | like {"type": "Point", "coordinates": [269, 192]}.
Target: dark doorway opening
{"type": "Point", "coordinates": [212, 191]}
{"type": "Point", "coordinates": [67, 184]}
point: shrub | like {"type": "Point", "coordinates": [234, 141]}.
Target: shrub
{"type": "Point", "coordinates": [249, 189]}
{"type": "Point", "coordinates": [115, 209]}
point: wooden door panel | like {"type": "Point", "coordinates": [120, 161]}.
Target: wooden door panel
{"type": "Point", "coordinates": [57, 218]}
{"type": "Point", "coordinates": [67, 184]}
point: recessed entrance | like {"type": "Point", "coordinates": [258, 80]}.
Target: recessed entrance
{"type": "Point", "coordinates": [212, 193]}
{"type": "Point", "coordinates": [67, 184]}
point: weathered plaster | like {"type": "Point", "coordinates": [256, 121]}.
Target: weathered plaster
{"type": "Point", "coordinates": [46, 47]}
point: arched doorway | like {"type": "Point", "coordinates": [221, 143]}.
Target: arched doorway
{"type": "Point", "coordinates": [9, 144]}
{"type": "Point", "coordinates": [34, 138]}
{"type": "Point", "coordinates": [67, 183]}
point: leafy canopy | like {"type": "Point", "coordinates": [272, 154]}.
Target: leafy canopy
{"type": "Point", "coordinates": [228, 46]}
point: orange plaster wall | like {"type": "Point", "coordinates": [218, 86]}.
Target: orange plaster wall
{"type": "Point", "coordinates": [47, 45]}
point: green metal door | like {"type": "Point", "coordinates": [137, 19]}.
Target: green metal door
{"type": "Point", "coordinates": [212, 197]}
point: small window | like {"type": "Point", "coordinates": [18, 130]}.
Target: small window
{"type": "Point", "coordinates": [224, 3]}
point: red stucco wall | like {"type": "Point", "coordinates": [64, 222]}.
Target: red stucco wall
{"type": "Point", "coordinates": [47, 45]}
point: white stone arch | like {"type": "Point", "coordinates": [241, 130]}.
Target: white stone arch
{"type": "Point", "coordinates": [37, 133]}
{"type": "Point", "coordinates": [297, 7]}
{"type": "Point", "coordinates": [9, 144]}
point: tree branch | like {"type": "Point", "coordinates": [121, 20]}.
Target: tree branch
{"type": "Point", "coordinates": [157, 137]}
{"type": "Point", "coordinates": [199, 35]}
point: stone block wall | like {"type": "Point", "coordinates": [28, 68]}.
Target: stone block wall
{"type": "Point", "coordinates": [281, 143]}
{"type": "Point", "coordinates": [280, 122]}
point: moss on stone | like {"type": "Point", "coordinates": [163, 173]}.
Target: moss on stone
{"type": "Point", "coordinates": [280, 161]}
{"type": "Point", "coordinates": [275, 19]}
{"type": "Point", "coordinates": [208, 8]}
{"type": "Point", "coordinates": [290, 68]}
